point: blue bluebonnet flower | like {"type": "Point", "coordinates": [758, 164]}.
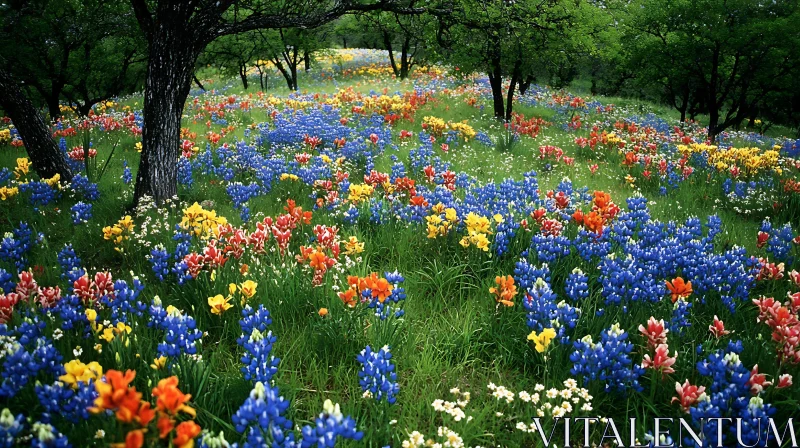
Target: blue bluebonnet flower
{"type": "Point", "coordinates": [41, 193]}
{"type": "Point", "coordinates": [125, 300]}
{"type": "Point", "coordinates": [679, 322]}
{"type": "Point", "coordinates": [47, 436]}
{"type": "Point", "coordinates": [607, 361]}
{"type": "Point", "coordinates": [6, 281]}
{"type": "Point", "coordinates": [10, 428]}
{"type": "Point", "coordinates": [577, 287]}
{"type": "Point", "coordinates": [328, 427]}
{"type": "Point", "coordinates": [81, 213]}
{"type": "Point", "coordinates": [15, 246]}
{"type": "Point", "coordinates": [526, 274]}
{"type": "Point", "coordinates": [68, 260]}
{"type": "Point", "coordinates": [60, 400]}
{"type": "Point", "coordinates": [261, 418]}
{"type": "Point", "coordinates": [181, 330]}
{"type": "Point", "coordinates": [84, 188]}
{"type": "Point", "coordinates": [259, 365]}
{"type": "Point", "coordinates": [159, 262]}
{"type": "Point", "coordinates": [730, 396]}
{"type": "Point", "coordinates": [185, 172]}
{"type": "Point", "coordinates": [780, 243]}
{"type": "Point", "coordinates": [545, 312]}
{"type": "Point", "coordinates": [127, 176]}
{"type": "Point", "coordinates": [377, 377]}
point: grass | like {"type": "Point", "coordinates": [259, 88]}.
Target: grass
{"type": "Point", "coordinates": [452, 334]}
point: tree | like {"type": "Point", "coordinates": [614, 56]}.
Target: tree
{"type": "Point", "coordinates": [177, 32]}
{"type": "Point", "coordinates": [499, 38]}
{"type": "Point", "coordinates": [719, 57]}
{"type": "Point", "coordinates": [234, 54]}
{"type": "Point", "coordinates": [393, 30]}
{"type": "Point", "coordinates": [47, 158]}
{"type": "Point", "coordinates": [85, 51]}
{"type": "Point", "coordinates": [288, 48]}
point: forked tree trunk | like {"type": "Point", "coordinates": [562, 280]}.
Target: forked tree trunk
{"type": "Point", "coordinates": [170, 71]}
{"type": "Point", "coordinates": [42, 150]}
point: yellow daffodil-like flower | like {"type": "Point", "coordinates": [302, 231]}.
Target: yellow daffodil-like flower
{"type": "Point", "coordinates": [543, 339]}
{"type": "Point", "coordinates": [53, 181]}
{"type": "Point", "coordinates": [287, 176]}
{"type": "Point", "coordinates": [138, 146]}
{"type": "Point", "coordinates": [23, 167]}
{"type": "Point", "coordinates": [159, 363]}
{"type": "Point", "coordinates": [360, 192]}
{"type": "Point", "coordinates": [78, 372]}
{"type": "Point", "coordinates": [352, 246]}
{"type": "Point", "coordinates": [498, 218]}
{"type": "Point", "coordinates": [248, 288]}
{"type": "Point", "coordinates": [219, 304]}
{"type": "Point", "coordinates": [232, 288]}
{"type": "Point", "coordinates": [8, 192]}
{"type": "Point", "coordinates": [109, 333]}
{"type": "Point", "coordinates": [450, 214]}
{"type": "Point", "coordinates": [201, 222]}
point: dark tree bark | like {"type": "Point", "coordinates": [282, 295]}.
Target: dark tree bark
{"type": "Point", "coordinates": [496, 82]}
{"type": "Point", "coordinates": [170, 70]}
{"type": "Point", "coordinates": [405, 58]}
{"type": "Point", "coordinates": [525, 84]}
{"type": "Point", "coordinates": [306, 60]}
{"type": "Point", "coordinates": [387, 43]}
{"type": "Point", "coordinates": [512, 85]}
{"type": "Point", "coordinates": [197, 81]}
{"type": "Point", "coordinates": [243, 76]}
{"type": "Point", "coordinates": [47, 159]}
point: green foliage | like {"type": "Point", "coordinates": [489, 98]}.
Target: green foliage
{"type": "Point", "coordinates": [78, 51]}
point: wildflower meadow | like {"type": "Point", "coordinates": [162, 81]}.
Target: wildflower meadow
{"type": "Point", "coordinates": [377, 260]}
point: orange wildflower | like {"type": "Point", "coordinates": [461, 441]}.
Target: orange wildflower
{"type": "Point", "coordinates": [317, 260]}
{"type": "Point", "coordinates": [165, 426]}
{"type": "Point", "coordinates": [134, 439]}
{"type": "Point", "coordinates": [185, 434]}
{"type": "Point", "coordinates": [357, 283]}
{"type": "Point", "coordinates": [679, 288]}
{"type": "Point", "coordinates": [322, 312]}
{"type": "Point", "coordinates": [169, 399]}
{"type": "Point", "coordinates": [593, 222]}
{"type": "Point", "coordinates": [381, 288]}
{"type": "Point", "coordinates": [348, 297]}
{"type": "Point", "coordinates": [601, 199]}
{"type": "Point", "coordinates": [505, 291]}
{"type": "Point", "coordinates": [115, 393]}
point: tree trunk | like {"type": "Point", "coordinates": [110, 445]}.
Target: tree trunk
{"type": "Point", "coordinates": [512, 86]}
{"type": "Point", "coordinates": [306, 60]}
{"type": "Point", "coordinates": [713, 121]}
{"type": "Point", "coordinates": [199, 84]}
{"type": "Point", "coordinates": [53, 107]}
{"type": "Point", "coordinates": [526, 84]}
{"type": "Point", "coordinates": [47, 159]}
{"type": "Point", "coordinates": [387, 43]}
{"type": "Point", "coordinates": [243, 76]}
{"type": "Point", "coordinates": [496, 82]}
{"type": "Point", "coordinates": [293, 69]}
{"type": "Point", "coordinates": [170, 70]}
{"type": "Point", "coordinates": [404, 59]}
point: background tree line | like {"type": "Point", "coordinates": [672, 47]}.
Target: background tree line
{"type": "Point", "coordinates": [727, 61]}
